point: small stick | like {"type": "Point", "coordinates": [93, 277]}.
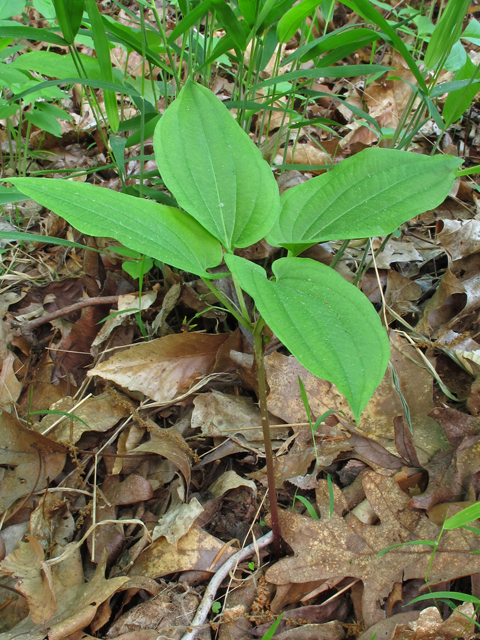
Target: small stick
{"type": "Point", "coordinates": [209, 595]}
{"type": "Point", "coordinates": [27, 328]}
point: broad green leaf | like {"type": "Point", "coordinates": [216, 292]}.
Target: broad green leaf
{"type": "Point", "coordinates": [10, 76]}
{"type": "Point", "coordinates": [44, 122]}
{"type": "Point", "coordinates": [56, 65]}
{"type": "Point", "coordinates": [214, 170]}
{"type": "Point", "coordinates": [248, 9]}
{"type": "Point", "coordinates": [370, 194]}
{"type": "Point", "coordinates": [10, 194]}
{"type": "Point", "coordinates": [291, 21]}
{"type": "Point", "coordinates": [69, 17]}
{"type": "Point", "coordinates": [9, 8]}
{"type": "Point", "coordinates": [457, 58]}
{"type": "Point", "coordinates": [329, 41]}
{"type": "Point", "coordinates": [472, 32]}
{"type": "Point", "coordinates": [161, 232]}
{"type": "Point", "coordinates": [53, 111]}
{"type": "Point", "coordinates": [326, 322]}
{"type": "Point", "coordinates": [46, 9]}
{"type": "Point", "coordinates": [15, 30]}
{"type": "Point", "coordinates": [458, 102]}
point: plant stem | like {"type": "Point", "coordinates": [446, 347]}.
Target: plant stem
{"type": "Point", "coordinates": [262, 401]}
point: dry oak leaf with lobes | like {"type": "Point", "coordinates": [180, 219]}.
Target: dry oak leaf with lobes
{"type": "Point", "coordinates": [77, 606]}
{"type": "Point", "coordinates": [337, 547]}
{"type": "Point", "coordinates": [163, 368]}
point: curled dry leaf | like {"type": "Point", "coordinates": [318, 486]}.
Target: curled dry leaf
{"type": "Point", "coordinates": [164, 368]}
{"type": "Point", "coordinates": [336, 547]}
{"type": "Point", "coordinates": [197, 550]}
{"type": "Point", "coordinates": [34, 579]}
{"type": "Point", "coordinates": [51, 521]}
{"type": "Point", "coordinates": [220, 414]}
{"type": "Point", "coordinates": [459, 238]}
{"type": "Point", "coordinates": [29, 460]}
{"type": "Point", "coordinates": [76, 608]}
{"type": "Point", "coordinates": [177, 521]}
{"type": "Point", "coordinates": [10, 387]}
{"type": "Point", "coordinates": [230, 480]}
{"type": "Point", "coordinates": [429, 625]}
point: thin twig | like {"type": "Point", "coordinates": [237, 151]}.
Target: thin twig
{"type": "Point", "coordinates": [27, 328]}
{"type": "Point", "coordinates": [216, 581]}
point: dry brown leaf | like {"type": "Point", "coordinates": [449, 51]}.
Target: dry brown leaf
{"type": "Point", "coordinates": [163, 368]}
{"type": "Point", "coordinates": [416, 384]}
{"type": "Point", "coordinates": [10, 387]}
{"type": "Point", "coordinates": [430, 626]}
{"type": "Point", "coordinates": [195, 551]}
{"type": "Point", "coordinates": [401, 293]}
{"type": "Point", "coordinates": [225, 415]}
{"type": "Point", "coordinates": [334, 547]}
{"type": "Point", "coordinates": [51, 522]}
{"type": "Point", "coordinates": [35, 581]}
{"type": "Point", "coordinates": [97, 413]}
{"type": "Point", "coordinates": [459, 238]}
{"type": "Point", "coordinates": [28, 459]}
{"type": "Point", "coordinates": [177, 521]}
{"type": "Point", "coordinates": [230, 480]}
{"type": "Point", "coordinates": [327, 631]}
{"type": "Point", "coordinates": [167, 615]}
{"type": "Point", "coordinates": [284, 399]}
{"type": "Point", "coordinates": [169, 444]}
{"type": "Point", "coordinates": [76, 608]}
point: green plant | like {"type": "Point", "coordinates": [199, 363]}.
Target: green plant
{"type": "Point", "coordinates": [230, 200]}
{"type": "Point", "coordinates": [460, 520]}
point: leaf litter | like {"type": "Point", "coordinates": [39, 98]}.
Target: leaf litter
{"type": "Point", "coordinates": [132, 470]}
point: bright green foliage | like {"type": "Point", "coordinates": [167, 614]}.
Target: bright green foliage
{"type": "Point", "coordinates": [459, 101]}
{"type": "Point", "coordinates": [161, 232]}
{"type": "Point", "coordinates": [103, 54]}
{"type": "Point", "coordinates": [69, 15]}
{"type": "Point", "coordinates": [368, 194]}
{"type": "Point", "coordinates": [214, 169]}
{"type": "Point", "coordinates": [326, 322]}
{"type": "Point", "coordinates": [446, 32]}
{"type": "Point", "coordinates": [219, 177]}
{"type": "Point", "coordinates": [292, 20]}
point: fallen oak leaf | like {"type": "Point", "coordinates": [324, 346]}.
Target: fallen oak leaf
{"type": "Point", "coordinates": [337, 547]}
{"type": "Point", "coordinates": [27, 563]}
{"type": "Point", "coordinates": [29, 460]}
{"type": "Point", "coordinates": [76, 608]}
